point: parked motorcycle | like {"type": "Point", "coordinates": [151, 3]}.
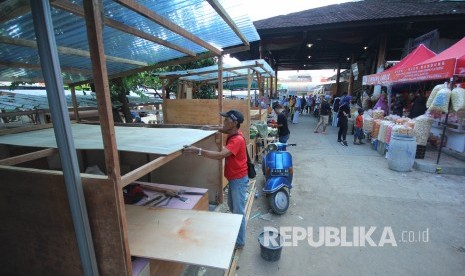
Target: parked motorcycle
{"type": "Point", "coordinates": [278, 171]}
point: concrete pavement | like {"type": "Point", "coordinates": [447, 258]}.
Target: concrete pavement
{"type": "Point", "coordinates": [351, 187]}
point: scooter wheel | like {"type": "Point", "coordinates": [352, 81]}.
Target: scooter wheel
{"type": "Point", "coordinates": [279, 201]}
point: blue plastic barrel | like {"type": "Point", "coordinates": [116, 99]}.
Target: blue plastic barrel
{"type": "Point", "coordinates": [401, 154]}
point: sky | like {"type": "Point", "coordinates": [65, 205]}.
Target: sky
{"type": "Point", "coordinates": [261, 9]}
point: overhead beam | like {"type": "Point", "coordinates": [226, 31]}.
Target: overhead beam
{"type": "Point", "coordinates": [221, 12]}
{"type": "Point", "coordinates": [132, 5]}
{"type": "Point", "coordinates": [38, 67]}
{"type": "Point", "coordinates": [78, 11]}
{"type": "Point", "coordinates": [67, 50]}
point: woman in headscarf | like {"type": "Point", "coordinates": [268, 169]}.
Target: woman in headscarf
{"type": "Point", "coordinates": [382, 103]}
{"type": "Point", "coordinates": [343, 116]}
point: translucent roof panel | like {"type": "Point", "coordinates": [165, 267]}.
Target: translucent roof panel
{"type": "Point", "coordinates": [229, 71]}
{"type": "Point", "coordinates": [124, 51]}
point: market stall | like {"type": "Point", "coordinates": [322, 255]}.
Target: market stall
{"type": "Point", "coordinates": [448, 65]}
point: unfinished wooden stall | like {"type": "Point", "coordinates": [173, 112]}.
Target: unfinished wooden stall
{"type": "Point", "coordinates": [34, 198]}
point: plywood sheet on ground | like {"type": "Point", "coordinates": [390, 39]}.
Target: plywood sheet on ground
{"type": "Point", "coordinates": [187, 236]}
{"type": "Point", "coordinates": [162, 141]}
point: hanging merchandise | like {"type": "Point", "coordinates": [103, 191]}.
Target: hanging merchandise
{"type": "Point", "coordinates": [433, 94]}
{"type": "Point", "coordinates": [458, 99]}
{"type": "Point", "coordinates": [441, 101]}
{"type": "Point", "coordinates": [422, 129]}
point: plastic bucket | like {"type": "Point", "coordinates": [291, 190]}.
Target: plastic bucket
{"type": "Point", "coordinates": [270, 245]}
{"type": "Point", "coordinates": [401, 154]}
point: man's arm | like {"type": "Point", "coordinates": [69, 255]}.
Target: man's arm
{"type": "Point", "coordinates": [216, 155]}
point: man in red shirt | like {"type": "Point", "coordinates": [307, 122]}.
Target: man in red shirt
{"type": "Point", "coordinates": [235, 168]}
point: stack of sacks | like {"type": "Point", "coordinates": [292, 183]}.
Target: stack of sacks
{"type": "Point", "coordinates": [389, 132]}
{"type": "Point", "coordinates": [383, 130]}
{"type": "Point", "coordinates": [401, 130]}
{"type": "Point", "coordinates": [378, 114]}
{"type": "Point", "coordinates": [376, 126]}
{"type": "Point", "coordinates": [367, 124]}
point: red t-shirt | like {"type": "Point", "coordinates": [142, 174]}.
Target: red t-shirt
{"type": "Point", "coordinates": [236, 164]}
{"type": "Point", "coordinates": [359, 121]}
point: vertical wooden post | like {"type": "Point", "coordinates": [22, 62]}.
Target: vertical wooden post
{"type": "Point", "coordinates": [75, 107]}
{"type": "Point", "coordinates": [381, 53]}
{"type": "Point", "coordinates": [163, 95]}
{"type": "Point", "coordinates": [338, 76]}
{"type": "Point", "coordinates": [220, 86]}
{"type": "Point", "coordinates": [93, 11]}
{"type": "Point", "coordinates": [351, 78]}
{"type": "Point", "coordinates": [249, 83]}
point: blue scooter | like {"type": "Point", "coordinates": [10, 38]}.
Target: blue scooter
{"type": "Point", "coordinates": [278, 171]}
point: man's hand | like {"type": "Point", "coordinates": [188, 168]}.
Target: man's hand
{"type": "Point", "coordinates": [190, 150]}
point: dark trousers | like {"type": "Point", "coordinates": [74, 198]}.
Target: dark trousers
{"type": "Point", "coordinates": [343, 125]}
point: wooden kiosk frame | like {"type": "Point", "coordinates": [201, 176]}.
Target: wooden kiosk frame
{"type": "Point", "coordinates": [50, 229]}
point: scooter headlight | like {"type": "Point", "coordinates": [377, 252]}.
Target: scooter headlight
{"type": "Point", "coordinates": [272, 147]}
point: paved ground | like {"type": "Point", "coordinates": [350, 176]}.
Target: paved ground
{"type": "Point", "coordinates": [337, 186]}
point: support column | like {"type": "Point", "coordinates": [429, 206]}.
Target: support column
{"type": "Point", "coordinates": [50, 65]}
{"type": "Point", "coordinates": [93, 12]}
{"type": "Point", "coordinates": [75, 107]}
{"type": "Point", "coordinates": [351, 78]}
{"type": "Point", "coordinates": [338, 76]}
{"type": "Point", "coordinates": [220, 86]}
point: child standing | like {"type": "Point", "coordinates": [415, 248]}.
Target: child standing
{"type": "Point", "coordinates": [359, 128]}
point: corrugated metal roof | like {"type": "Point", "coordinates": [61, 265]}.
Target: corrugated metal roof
{"type": "Point", "coordinates": [230, 71]}
{"type": "Point", "coordinates": [23, 102]}
{"type": "Point", "coordinates": [19, 59]}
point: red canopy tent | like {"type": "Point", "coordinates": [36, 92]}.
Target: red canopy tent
{"type": "Point", "coordinates": [420, 54]}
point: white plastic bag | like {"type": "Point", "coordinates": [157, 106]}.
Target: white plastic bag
{"type": "Point", "coordinates": [458, 99]}
{"type": "Point", "coordinates": [441, 101]}
{"type": "Point", "coordinates": [433, 94]}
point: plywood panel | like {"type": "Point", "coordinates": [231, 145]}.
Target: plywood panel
{"type": "Point", "coordinates": [187, 236]}
{"type": "Point", "coordinates": [37, 233]}
{"type": "Point", "coordinates": [135, 139]}
{"type": "Point", "coordinates": [194, 171]}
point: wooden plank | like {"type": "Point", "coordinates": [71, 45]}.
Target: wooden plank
{"type": "Point", "coordinates": [76, 10]}
{"type": "Point", "coordinates": [37, 232]}
{"type": "Point", "coordinates": [147, 168]}
{"type": "Point", "coordinates": [181, 235]}
{"type": "Point", "coordinates": [24, 129]}
{"type": "Point", "coordinates": [37, 67]}
{"type": "Point", "coordinates": [28, 157]}
{"type": "Point", "coordinates": [222, 12]}
{"type": "Point", "coordinates": [67, 50]}
{"type": "Point", "coordinates": [94, 26]}
{"type": "Point", "coordinates": [75, 107]}
{"type": "Point", "coordinates": [140, 9]}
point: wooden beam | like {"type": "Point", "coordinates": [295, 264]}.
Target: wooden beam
{"type": "Point", "coordinates": [221, 12]}
{"type": "Point", "coordinates": [93, 11]}
{"type": "Point", "coordinates": [24, 129]}
{"type": "Point", "coordinates": [140, 9]}
{"type": "Point", "coordinates": [76, 10]}
{"type": "Point", "coordinates": [67, 50]}
{"type": "Point", "coordinates": [11, 161]}
{"type": "Point", "coordinates": [75, 107]}
{"type": "Point", "coordinates": [38, 68]}
{"type": "Point", "coordinates": [147, 168]}
{"type": "Point", "coordinates": [10, 9]}
{"type": "Point", "coordinates": [177, 61]}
